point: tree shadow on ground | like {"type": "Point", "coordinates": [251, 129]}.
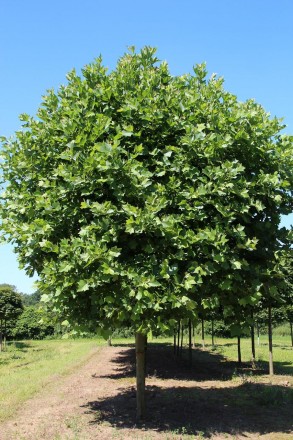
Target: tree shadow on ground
{"type": "Point", "coordinates": [226, 408]}
{"type": "Point", "coordinates": [248, 408]}
{"type": "Point", "coordinates": [21, 346]}
{"type": "Point", "coordinates": [163, 364]}
{"type": "Point", "coordinates": [8, 353]}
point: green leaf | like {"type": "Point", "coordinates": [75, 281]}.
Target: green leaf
{"type": "Point", "coordinates": [83, 286]}
{"type": "Point", "coordinates": [236, 264]}
{"type": "Point", "coordinates": [189, 282]}
{"type": "Point", "coordinates": [103, 147]}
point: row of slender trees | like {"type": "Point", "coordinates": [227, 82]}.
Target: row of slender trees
{"type": "Point", "coordinates": [262, 321]}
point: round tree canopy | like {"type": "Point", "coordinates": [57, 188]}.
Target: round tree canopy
{"type": "Point", "coordinates": [138, 196]}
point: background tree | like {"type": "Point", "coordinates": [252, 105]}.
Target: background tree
{"type": "Point", "coordinates": [34, 323]}
{"type": "Point", "coordinates": [10, 308]}
{"type": "Point", "coordinates": [31, 299]}
{"type": "Point", "coordinates": [135, 192]}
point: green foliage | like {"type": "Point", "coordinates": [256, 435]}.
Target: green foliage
{"type": "Point", "coordinates": [134, 193]}
{"type": "Point", "coordinates": [10, 307]}
{"type": "Point", "coordinates": [32, 299]}
{"type": "Point", "coordinates": [123, 332]}
{"type": "Point", "coordinates": [34, 323]}
{"type": "Point", "coordinates": [220, 329]}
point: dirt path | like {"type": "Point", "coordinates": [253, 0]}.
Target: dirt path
{"type": "Point", "coordinates": [59, 412]}
{"type": "Point", "coordinates": [98, 402]}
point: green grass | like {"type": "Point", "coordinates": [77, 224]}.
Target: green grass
{"type": "Point", "coordinates": [282, 351]}
{"type": "Point", "coordinates": [227, 347]}
{"type": "Point", "coordinates": [282, 330]}
{"type": "Point", "coordinates": [25, 367]}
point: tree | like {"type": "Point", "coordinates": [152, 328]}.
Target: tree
{"type": "Point", "coordinates": [31, 299]}
{"type": "Point", "coordinates": [10, 308]}
{"type": "Point", "coordinates": [134, 193]}
{"type": "Point", "coordinates": [34, 323]}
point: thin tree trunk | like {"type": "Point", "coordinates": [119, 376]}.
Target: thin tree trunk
{"type": "Point", "coordinates": [252, 340]}
{"type": "Point", "coordinates": [193, 336]}
{"type": "Point", "coordinates": [271, 362]}
{"type": "Point", "coordinates": [213, 338]}
{"type": "Point", "coordinates": [140, 344]}
{"type": "Point", "coordinates": [258, 338]}
{"type": "Point", "coordinates": [202, 333]}
{"type": "Point", "coordinates": [178, 338]}
{"type": "Point", "coordinates": [190, 343]}
{"type": "Point", "coordinates": [239, 349]}
{"type": "Point", "coordinates": [109, 341]}
{"type": "Point", "coordinates": [291, 328]}
{"type": "Point", "coordinates": [174, 347]}
{"type": "Point", "coordinates": [181, 344]}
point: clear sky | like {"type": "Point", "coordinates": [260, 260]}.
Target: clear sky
{"type": "Point", "coordinates": [248, 42]}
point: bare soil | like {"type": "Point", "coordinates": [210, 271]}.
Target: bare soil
{"type": "Point", "coordinates": [213, 399]}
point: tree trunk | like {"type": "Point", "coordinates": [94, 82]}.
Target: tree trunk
{"type": "Point", "coordinates": [193, 336]}
{"type": "Point", "coordinates": [258, 339]}
{"type": "Point", "coordinates": [145, 355]}
{"type": "Point", "coordinates": [190, 343]}
{"type": "Point", "coordinates": [252, 340]}
{"type": "Point", "coordinates": [181, 343]}
{"type": "Point", "coordinates": [213, 338]}
{"type": "Point", "coordinates": [291, 328]}
{"type": "Point", "coordinates": [174, 342]}
{"type": "Point", "coordinates": [140, 344]}
{"type": "Point", "coordinates": [239, 349]}
{"type": "Point", "coordinates": [202, 333]}
{"type": "Point", "coordinates": [178, 338]}
{"type": "Point", "coordinates": [109, 341]}
{"type": "Point", "coordinates": [271, 362]}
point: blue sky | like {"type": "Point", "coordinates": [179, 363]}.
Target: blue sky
{"type": "Point", "coordinates": [248, 42]}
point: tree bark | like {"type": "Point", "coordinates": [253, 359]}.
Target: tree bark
{"type": "Point", "coordinates": [270, 332]}
{"type": "Point", "coordinates": [145, 355]}
{"type": "Point", "coordinates": [213, 338]}
{"type": "Point", "coordinates": [190, 343]}
{"type": "Point", "coordinates": [174, 342]}
{"type": "Point", "coordinates": [109, 341]}
{"type": "Point", "coordinates": [178, 338]}
{"type": "Point", "coordinates": [202, 333]}
{"type": "Point", "coordinates": [181, 343]}
{"type": "Point", "coordinates": [252, 340]}
{"type": "Point", "coordinates": [193, 336]}
{"type": "Point", "coordinates": [239, 349]}
{"type": "Point", "coordinates": [140, 344]}
{"type": "Point", "coordinates": [291, 328]}
{"type": "Point", "coordinates": [258, 339]}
